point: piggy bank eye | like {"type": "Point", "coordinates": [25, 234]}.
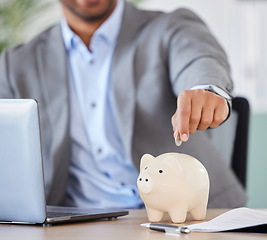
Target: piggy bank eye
{"type": "Point", "coordinates": [160, 171]}
{"type": "Point", "coordinates": [145, 168]}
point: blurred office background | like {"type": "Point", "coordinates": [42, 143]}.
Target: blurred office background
{"type": "Point", "coordinates": [239, 25]}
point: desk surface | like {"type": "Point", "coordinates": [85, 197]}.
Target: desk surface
{"type": "Point", "coordinates": [124, 228]}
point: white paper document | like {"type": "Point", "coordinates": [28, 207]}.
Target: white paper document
{"type": "Point", "coordinates": [239, 218]}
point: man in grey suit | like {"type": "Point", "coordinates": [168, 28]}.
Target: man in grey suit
{"type": "Point", "coordinates": [114, 82]}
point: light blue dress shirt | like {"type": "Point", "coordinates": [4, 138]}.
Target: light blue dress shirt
{"type": "Point", "coordinates": [101, 175]}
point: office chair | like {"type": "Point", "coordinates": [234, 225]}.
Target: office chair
{"type": "Point", "coordinates": [240, 153]}
{"type": "Point", "coordinates": [231, 138]}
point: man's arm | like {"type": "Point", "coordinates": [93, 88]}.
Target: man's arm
{"type": "Point", "coordinates": [196, 58]}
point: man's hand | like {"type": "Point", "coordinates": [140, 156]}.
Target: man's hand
{"type": "Point", "coordinates": [198, 109]}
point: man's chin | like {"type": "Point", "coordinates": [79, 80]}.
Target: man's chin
{"type": "Point", "coordinates": [92, 10]}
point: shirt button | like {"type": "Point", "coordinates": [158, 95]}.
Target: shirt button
{"type": "Point", "coordinates": [107, 174]}
{"type": "Point", "coordinates": [93, 105]}
{"type": "Point", "coordinates": [122, 184]}
{"type": "Point", "coordinates": [91, 61]}
{"type": "Point", "coordinates": [99, 150]}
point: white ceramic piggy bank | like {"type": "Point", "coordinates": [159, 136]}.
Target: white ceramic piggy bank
{"type": "Point", "coordinates": [173, 183]}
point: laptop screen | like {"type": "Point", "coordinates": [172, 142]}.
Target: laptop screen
{"type": "Point", "coordinates": [22, 196]}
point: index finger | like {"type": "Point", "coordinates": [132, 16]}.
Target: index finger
{"type": "Point", "coordinates": [184, 112]}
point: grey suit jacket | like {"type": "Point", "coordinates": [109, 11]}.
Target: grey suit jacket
{"type": "Point", "coordinates": [157, 56]}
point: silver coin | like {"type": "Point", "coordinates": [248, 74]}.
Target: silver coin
{"type": "Point", "coordinates": [178, 141]}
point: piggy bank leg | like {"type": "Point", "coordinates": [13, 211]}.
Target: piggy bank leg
{"type": "Point", "coordinates": [199, 212]}
{"type": "Point", "coordinates": [154, 215]}
{"type": "Point", "coordinates": [178, 214]}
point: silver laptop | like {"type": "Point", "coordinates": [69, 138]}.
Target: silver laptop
{"type": "Point", "coordinates": [22, 193]}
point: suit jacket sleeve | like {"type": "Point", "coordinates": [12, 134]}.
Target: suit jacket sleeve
{"type": "Point", "coordinates": [195, 56]}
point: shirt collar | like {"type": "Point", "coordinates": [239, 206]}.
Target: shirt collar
{"type": "Point", "coordinates": [109, 30]}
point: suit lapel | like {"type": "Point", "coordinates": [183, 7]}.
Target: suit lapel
{"type": "Point", "coordinates": [122, 74]}
{"type": "Point", "coordinates": [51, 61]}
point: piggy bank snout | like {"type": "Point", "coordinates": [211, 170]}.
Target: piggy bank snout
{"type": "Point", "coordinates": [144, 183]}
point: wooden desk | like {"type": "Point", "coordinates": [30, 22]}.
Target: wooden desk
{"type": "Point", "coordinates": [124, 228]}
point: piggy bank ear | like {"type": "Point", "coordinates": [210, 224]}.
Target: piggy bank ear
{"type": "Point", "coordinates": [173, 163]}
{"type": "Point", "coordinates": [146, 159]}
